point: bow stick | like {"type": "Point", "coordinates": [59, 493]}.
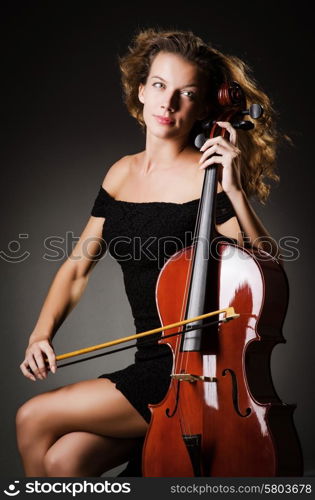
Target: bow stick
{"type": "Point", "coordinates": [229, 315]}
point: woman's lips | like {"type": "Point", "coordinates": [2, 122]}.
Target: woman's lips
{"type": "Point", "coordinates": [163, 120]}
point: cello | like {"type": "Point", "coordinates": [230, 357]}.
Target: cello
{"type": "Point", "coordinates": [221, 415]}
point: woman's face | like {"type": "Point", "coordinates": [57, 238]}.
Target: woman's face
{"type": "Point", "coordinates": [173, 90]}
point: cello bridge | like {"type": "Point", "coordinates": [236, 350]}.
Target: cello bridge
{"type": "Point", "coordinates": [190, 377]}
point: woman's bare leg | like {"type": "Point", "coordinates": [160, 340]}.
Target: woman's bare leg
{"type": "Point", "coordinates": [84, 454]}
{"type": "Point", "coordinates": [92, 406]}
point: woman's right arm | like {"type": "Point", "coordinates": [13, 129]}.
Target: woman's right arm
{"type": "Point", "coordinates": [64, 293]}
{"type": "Point", "coordinates": [69, 284]}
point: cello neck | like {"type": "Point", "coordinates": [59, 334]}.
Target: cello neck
{"type": "Point", "coordinates": [204, 232]}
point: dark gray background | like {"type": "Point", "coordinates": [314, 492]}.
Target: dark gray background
{"type": "Point", "coordinates": [65, 124]}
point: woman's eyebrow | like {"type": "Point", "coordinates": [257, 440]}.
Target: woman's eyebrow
{"type": "Point", "coordinates": [188, 85]}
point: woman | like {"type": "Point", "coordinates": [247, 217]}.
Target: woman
{"type": "Point", "coordinates": [170, 80]}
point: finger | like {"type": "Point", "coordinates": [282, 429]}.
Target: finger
{"type": "Point", "coordinates": [51, 357]}
{"type": "Point", "coordinates": [24, 369]}
{"type": "Point", "coordinates": [34, 367]}
{"type": "Point", "coordinates": [26, 372]}
{"type": "Point", "coordinates": [208, 143]}
{"type": "Point", "coordinates": [232, 131]}
{"type": "Point", "coordinates": [40, 363]}
{"type": "Point", "coordinates": [218, 139]}
{"type": "Point", "coordinates": [216, 148]}
{"type": "Point", "coordinates": [213, 159]}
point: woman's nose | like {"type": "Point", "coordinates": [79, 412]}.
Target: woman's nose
{"type": "Point", "coordinates": [168, 107]}
{"type": "Point", "coordinates": [170, 102]}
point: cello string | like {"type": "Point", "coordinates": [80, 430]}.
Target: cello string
{"type": "Point", "coordinates": [186, 429]}
{"type": "Point", "coordinates": [195, 239]}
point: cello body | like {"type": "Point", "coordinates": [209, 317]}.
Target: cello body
{"type": "Point", "coordinates": [229, 422]}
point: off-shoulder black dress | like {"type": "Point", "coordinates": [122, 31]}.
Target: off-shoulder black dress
{"type": "Point", "coordinates": [141, 236]}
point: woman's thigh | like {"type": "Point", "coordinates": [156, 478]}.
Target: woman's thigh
{"type": "Point", "coordinates": [92, 405]}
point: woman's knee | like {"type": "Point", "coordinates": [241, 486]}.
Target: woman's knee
{"type": "Point", "coordinates": [76, 454]}
{"type": "Point", "coordinates": [79, 454]}
{"type": "Point", "coordinates": [58, 465]}
{"type": "Point", "coordinates": [26, 414]}
{"type": "Point", "coordinates": [31, 420]}
{"type": "Point", "coordinates": [26, 421]}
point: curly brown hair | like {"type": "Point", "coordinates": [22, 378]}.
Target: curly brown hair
{"type": "Point", "coordinates": [258, 146]}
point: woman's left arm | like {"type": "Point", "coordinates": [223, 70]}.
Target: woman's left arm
{"type": "Point", "coordinates": [229, 156]}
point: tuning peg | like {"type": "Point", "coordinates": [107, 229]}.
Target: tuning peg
{"type": "Point", "coordinates": [255, 111]}
{"type": "Point", "coordinates": [207, 124]}
{"type": "Point", "coordinates": [200, 140]}
{"type": "Point", "coordinates": [244, 125]}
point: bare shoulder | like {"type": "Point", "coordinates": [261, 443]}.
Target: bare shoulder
{"type": "Point", "coordinates": [116, 174]}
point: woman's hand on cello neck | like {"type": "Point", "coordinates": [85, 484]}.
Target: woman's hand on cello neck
{"type": "Point", "coordinates": [227, 155]}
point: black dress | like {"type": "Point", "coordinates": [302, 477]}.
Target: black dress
{"type": "Point", "coordinates": [141, 236]}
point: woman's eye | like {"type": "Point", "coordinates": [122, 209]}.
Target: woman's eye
{"type": "Point", "coordinates": [191, 96]}
{"type": "Point", "coordinates": [159, 83]}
